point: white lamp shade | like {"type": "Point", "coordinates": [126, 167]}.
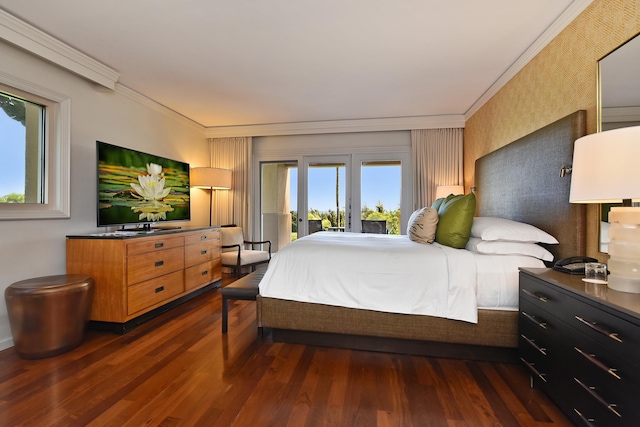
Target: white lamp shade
{"type": "Point", "coordinates": [214, 178]}
{"type": "Point", "coordinates": [605, 167]}
{"type": "Point", "coordinates": [445, 190]}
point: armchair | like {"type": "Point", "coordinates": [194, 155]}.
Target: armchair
{"type": "Point", "coordinates": [238, 253]}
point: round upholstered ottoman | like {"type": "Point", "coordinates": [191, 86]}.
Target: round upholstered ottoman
{"type": "Point", "coordinates": [48, 315]}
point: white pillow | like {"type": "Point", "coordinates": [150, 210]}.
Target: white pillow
{"type": "Point", "coordinates": [496, 247]}
{"type": "Point", "coordinates": [422, 225]}
{"type": "Point", "coordinates": [491, 228]}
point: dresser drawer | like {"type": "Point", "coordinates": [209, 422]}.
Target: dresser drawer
{"type": "Point", "coordinates": [534, 354]}
{"type": "Point", "coordinates": [197, 254]}
{"type": "Point", "coordinates": [202, 236]}
{"type": "Point", "coordinates": [584, 412]}
{"type": "Point", "coordinates": [532, 315]}
{"type": "Point", "coordinates": [616, 334]}
{"type": "Point", "coordinates": [154, 244]}
{"type": "Point", "coordinates": [541, 295]}
{"type": "Point", "coordinates": [198, 275]}
{"type": "Point", "coordinates": [608, 377]}
{"type": "Point", "coordinates": [147, 266]}
{"type": "Point", "coordinates": [151, 292]}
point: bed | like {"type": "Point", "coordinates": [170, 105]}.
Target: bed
{"type": "Point", "coordinates": [521, 181]}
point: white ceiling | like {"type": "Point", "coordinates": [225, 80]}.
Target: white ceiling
{"type": "Point", "coordinates": [250, 62]}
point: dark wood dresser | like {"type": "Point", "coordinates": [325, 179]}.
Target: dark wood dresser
{"type": "Point", "coordinates": [581, 342]}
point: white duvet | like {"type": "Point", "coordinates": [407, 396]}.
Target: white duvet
{"type": "Point", "coordinates": [375, 272]}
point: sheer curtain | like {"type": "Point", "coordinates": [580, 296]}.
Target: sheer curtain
{"type": "Point", "coordinates": [233, 206]}
{"type": "Point", "coordinates": [437, 160]}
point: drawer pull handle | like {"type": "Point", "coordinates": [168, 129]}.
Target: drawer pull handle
{"type": "Point", "coordinates": [585, 419]}
{"type": "Point", "coordinates": [203, 252]}
{"type": "Point", "coordinates": [534, 370]}
{"type": "Point", "coordinates": [592, 392]}
{"type": "Point", "coordinates": [534, 295]}
{"type": "Point", "coordinates": [599, 329]}
{"type": "Point", "coordinates": [159, 245]}
{"type": "Point", "coordinates": [591, 358]}
{"type": "Point", "coordinates": [534, 345]}
{"type": "Point", "coordinates": [534, 320]}
{"type": "Point", "coordinates": [203, 237]}
{"type": "Point", "coordinates": [204, 273]}
{"type": "Point", "coordinates": [160, 289]}
{"type": "Point", "coordinates": [159, 263]}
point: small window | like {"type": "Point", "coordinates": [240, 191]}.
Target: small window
{"type": "Point", "coordinates": [21, 150]}
{"type": "Point", "coordinates": [34, 151]}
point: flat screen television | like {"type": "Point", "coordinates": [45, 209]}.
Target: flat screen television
{"type": "Point", "coordinates": [136, 188]}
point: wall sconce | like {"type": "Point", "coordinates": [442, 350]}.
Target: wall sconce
{"type": "Point", "coordinates": [445, 190]}
{"type": "Point", "coordinates": [565, 170]}
{"type": "Point", "coordinates": [605, 170]}
{"type": "Point", "coordinates": [212, 179]}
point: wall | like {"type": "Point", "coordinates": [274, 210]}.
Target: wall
{"type": "Point", "coordinates": [561, 79]}
{"type": "Point", "coordinates": [32, 248]}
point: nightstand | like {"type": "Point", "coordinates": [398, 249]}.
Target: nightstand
{"type": "Point", "coordinates": [581, 343]}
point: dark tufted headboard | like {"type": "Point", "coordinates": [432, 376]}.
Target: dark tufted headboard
{"type": "Point", "coordinates": [521, 181]}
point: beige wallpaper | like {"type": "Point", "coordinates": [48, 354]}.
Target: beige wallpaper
{"type": "Point", "coordinates": [561, 79]}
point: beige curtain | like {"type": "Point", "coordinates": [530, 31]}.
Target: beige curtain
{"type": "Point", "coordinates": [437, 160]}
{"type": "Point", "coordinates": [233, 206]}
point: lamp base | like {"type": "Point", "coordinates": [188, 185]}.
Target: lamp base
{"type": "Point", "coordinates": [624, 249]}
{"type": "Point", "coordinates": [624, 284]}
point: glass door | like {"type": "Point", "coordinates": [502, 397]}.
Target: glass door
{"type": "Point", "coordinates": [327, 199]}
{"type": "Point", "coordinates": [380, 195]}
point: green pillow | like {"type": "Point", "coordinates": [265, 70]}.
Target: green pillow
{"type": "Point", "coordinates": [455, 219]}
{"type": "Point", "coordinates": [437, 203]}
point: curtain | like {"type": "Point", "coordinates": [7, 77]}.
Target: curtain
{"type": "Point", "coordinates": [233, 206]}
{"type": "Point", "coordinates": [437, 160]}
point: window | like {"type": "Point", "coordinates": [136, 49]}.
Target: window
{"type": "Point", "coordinates": [34, 151]}
{"type": "Point", "coordinates": [21, 150]}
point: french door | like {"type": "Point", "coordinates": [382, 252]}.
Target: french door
{"type": "Point", "coordinates": [327, 198]}
{"type": "Point", "coordinates": [337, 193]}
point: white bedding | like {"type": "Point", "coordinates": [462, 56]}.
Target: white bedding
{"type": "Point", "coordinates": [392, 274]}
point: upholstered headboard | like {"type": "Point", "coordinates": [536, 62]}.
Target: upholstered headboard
{"type": "Point", "coordinates": [521, 181]}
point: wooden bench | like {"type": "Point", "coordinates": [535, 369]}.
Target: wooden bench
{"type": "Point", "coordinates": [245, 288]}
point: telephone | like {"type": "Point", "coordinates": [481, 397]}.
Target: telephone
{"type": "Point", "coordinates": [573, 265]}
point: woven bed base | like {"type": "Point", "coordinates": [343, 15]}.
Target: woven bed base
{"type": "Point", "coordinates": [495, 328]}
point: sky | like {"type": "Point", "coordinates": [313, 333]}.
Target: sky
{"type": "Point", "coordinates": [379, 183]}
{"type": "Point", "coordinates": [11, 155]}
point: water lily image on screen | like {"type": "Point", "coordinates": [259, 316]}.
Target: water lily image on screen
{"type": "Point", "coordinates": [136, 187]}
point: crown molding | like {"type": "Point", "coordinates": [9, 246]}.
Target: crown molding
{"type": "Point", "coordinates": [338, 126]}
{"type": "Point", "coordinates": [29, 38]}
{"type": "Point", "coordinates": [156, 106]}
{"type": "Point", "coordinates": [569, 14]}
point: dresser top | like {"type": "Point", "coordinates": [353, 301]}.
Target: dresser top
{"type": "Point", "coordinates": [621, 301]}
{"type": "Point", "coordinates": [138, 233]}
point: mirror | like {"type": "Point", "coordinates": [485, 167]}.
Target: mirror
{"type": "Point", "coordinates": [619, 103]}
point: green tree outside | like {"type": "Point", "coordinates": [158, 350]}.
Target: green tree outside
{"type": "Point", "coordinates": [12, 198]}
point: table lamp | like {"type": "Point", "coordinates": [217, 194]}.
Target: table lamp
{"type": "Point", "coordinates": [445, 190]}
{"type": "Point", "coordinates": [606, 170]}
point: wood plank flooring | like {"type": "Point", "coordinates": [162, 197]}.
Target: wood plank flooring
{"type": "Point", "coordinates": [180, 370]}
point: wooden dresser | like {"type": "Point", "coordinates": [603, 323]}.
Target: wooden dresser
{"type": "Point", "coordinates": [136, 276]}
{"type": "Point", "coordinates": [581, 342]}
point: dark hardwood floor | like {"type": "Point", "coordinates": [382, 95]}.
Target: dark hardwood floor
{"type": "Point", "coordinates": [179, 370]}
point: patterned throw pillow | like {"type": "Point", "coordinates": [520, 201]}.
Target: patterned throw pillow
{"type": "Point", "coordinates": [422, 225]}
